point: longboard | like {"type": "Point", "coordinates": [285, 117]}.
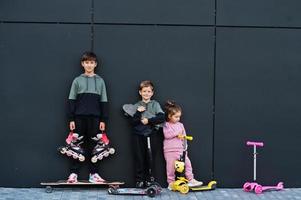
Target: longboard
{"type": "Point", "coordinates": [50, 185]}
{"type": "Point", "coordinates": [211, 186]}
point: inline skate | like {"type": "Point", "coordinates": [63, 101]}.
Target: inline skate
{"type": "Point", "coordinates": [102, 148]}
{"type": "Point", "coordinates": [73, 147]}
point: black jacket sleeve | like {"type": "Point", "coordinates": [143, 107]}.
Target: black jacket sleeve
{"type": "Point", "coordinates": [71, 103]}
{"type": "Point", "coordinates": [104, 115]}
{"type": "Point", "coordinates": [160, 118]}
{"type": "Point", "coordinates": [136, 119]}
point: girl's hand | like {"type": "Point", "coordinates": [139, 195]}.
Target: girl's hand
{"type": "Point", "coordinates": [141, 108]}
{"type": "Point", "coordinates": [102, 126]}
{"type": "Point", "coordinates": [144, 121]}
{"type": "Point", "coordinates": [72, 125]}
{"type": "Point", "coordinates": [181, 136]}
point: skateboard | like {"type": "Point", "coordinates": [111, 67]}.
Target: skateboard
{"type": "Point", "coordinates": [211, 186]}
{"type": "Point", "coordinates": [63, 183]}
{"type": "Point", "coordinates": [150, 191]}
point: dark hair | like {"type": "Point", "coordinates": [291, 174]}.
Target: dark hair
{"type": "Point", "coordinates": [171, 108]}
{"type": "Point", "coordinates": [89, 55]}
{"type": "Point", "coordinates": [146, 83]}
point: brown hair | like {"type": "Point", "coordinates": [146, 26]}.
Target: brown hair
{"type": "Point", "coordinates": [89, 55]}
{"type": "Point", "coordinates": [171, 108]}
{"type": "Point", "coordinates": [146, 83]}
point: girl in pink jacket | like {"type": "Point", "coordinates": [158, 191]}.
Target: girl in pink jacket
{"type": "Point", "coordinates": [173, 129]}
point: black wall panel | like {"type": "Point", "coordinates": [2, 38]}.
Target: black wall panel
{"type": "Point", "coordinates": [38, 63]}
{"type": "Point", "coordinates": [46, 11]}
{"type": "Point", "coordinates": [259, 13]}
{"type": "Point", "coordinates": [200, 12]}
{"type": "Point", "coordinates": [179, 60]}
{"type": "Point", "coordinates": [257, 98]}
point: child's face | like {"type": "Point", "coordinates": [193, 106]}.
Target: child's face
{"type": "Point", "coordinates": [146, 93]}
{"type": "Point", "coordinates": [175, 118]}
{"type": "Point", "coordinates": [89, 65]}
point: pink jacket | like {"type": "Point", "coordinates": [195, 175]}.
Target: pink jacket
{"type": "Point", "coordinates": [171, 141]}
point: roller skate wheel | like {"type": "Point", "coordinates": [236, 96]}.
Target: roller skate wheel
{"type": "Point", "coordinates": [81, 158]}
{"type": "Point", "coordinates": [63, 151]}
{"type": "Point", "coordinates": [74, 156]}
{"type": "Point", "coordinates": [100, 157]}
{"type": "Point", "coordinates": [68, 153]}
{"type": "Point", "coordinates": [258, 189]}
{"type": "Point", "coordinates": [106, 154]}
{"type": "Point", "coordinates": [93, 159]}
{"type": "Point", "coordinates": [112, 151]}
{"type": "Point", "coordinates": [184, 189]}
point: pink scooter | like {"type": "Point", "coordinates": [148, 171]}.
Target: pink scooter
{"type": "Point", "coordinates": [248, 187]}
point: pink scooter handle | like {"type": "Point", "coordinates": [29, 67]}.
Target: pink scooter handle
{"type": "Point", "coordinates": [260, 144]}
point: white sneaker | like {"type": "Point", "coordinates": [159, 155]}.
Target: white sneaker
{"type": "Point", "coordinates": [95, 178]}
{"type": "Point", "coordinates": [169, 186]}
{"type": "Point", "coordinates": [72, 178]}
{"type": "Point", "coordinates": [194, 183]}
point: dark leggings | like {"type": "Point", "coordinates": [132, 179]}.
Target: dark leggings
{"type": "Point", "coordinates": [87, 127]}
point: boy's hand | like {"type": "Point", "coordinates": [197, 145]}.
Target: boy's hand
{"type": "Point", "coordinates": [141, 108]}
{"type": "Point", "coordinates": [144, 121]}
{"type": "Point", "coordinates": [102, 126]}
{"type": "Point", "coordinates": [72, 125]}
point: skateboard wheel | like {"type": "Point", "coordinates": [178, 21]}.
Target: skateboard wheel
{"type": "Point", "coordinates": [112, 151]}
{"type": "Point", "coordinates": [94, 159]}
{"type": "Point", "coordinates": [258, 189]}
{"type": "Point", "coordinates": [151, 191]}
{"type": "Point", "coordinates": [111, 190]}
{"type": "Point", "coordinates": [48, 189]}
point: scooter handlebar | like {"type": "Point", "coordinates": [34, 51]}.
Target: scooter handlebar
{"type": "Point", "coordinates": [249, 143]}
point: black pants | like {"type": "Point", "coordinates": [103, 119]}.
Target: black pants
{"type": "Point", "coordinates": [87, 127]}
{"type": "Point", "coordinates": [142, 159]}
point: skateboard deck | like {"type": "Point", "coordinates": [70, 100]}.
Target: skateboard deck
{"type": "Point", "coordinates": [211, 186]}
{"type": "Point", "coordinates": [50, 185]}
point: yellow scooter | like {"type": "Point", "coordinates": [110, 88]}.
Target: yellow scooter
{"type": "Point", "coordinates": [181, 183]}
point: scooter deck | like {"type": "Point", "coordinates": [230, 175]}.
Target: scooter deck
{"type": "Point", "coordinates": [150, 191]}
{"type": "Point", "coordinates": [211, 186]}
{"type": "Point", "coordinates": [64, 183]}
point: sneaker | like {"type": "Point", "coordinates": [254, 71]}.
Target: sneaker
{"type": "Point", "coordinates": [95, 178]}
{"type": "Point", "coordinates": [170, 186]}
{"type": "Point", "coordinates": [139, 184]}
{"type": "Point", "coordinates": [194, 183]}
{"type": "Point", "coordinates": [72, 178]}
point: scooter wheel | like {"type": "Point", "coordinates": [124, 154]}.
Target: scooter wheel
{"type": "Point", "coordinates": [184, 189]}
{"type": "Point", "coordinates": [151, 191]}
{"type": "Point", "coordinates": [247, 187]}
{"type": "Point", "coordinates": [258, 189]}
